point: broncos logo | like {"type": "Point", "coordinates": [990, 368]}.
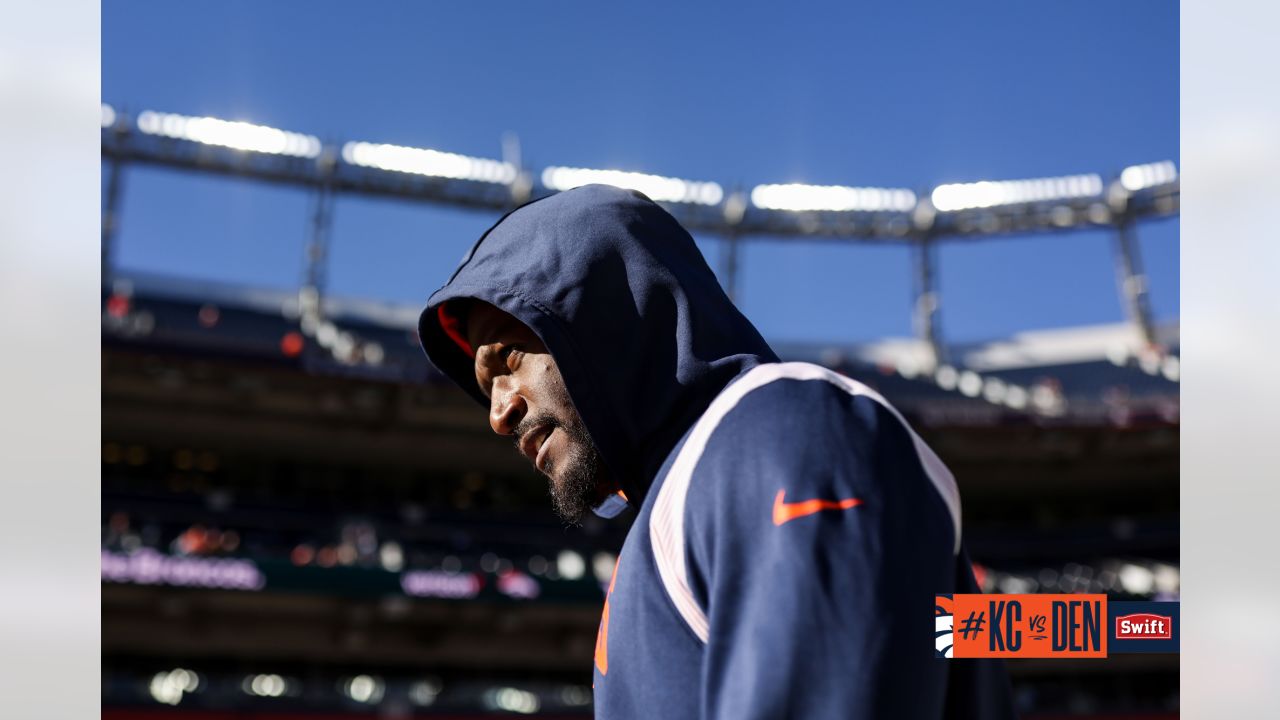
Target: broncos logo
{"type": "Point", "coordinates": [943, 622]}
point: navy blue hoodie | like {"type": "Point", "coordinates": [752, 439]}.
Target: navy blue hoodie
{"type": "Point", "coordinates": [792, 530]}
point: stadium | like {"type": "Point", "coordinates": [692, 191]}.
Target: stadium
{"type": "Point", "coordinates": [302, 519]}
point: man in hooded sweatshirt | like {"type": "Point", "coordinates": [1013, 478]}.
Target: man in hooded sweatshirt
{"type": "Point", "coordinates": [792, 530]}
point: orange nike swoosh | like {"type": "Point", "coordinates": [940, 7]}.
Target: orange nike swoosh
{"type": "Point", "coordinates": [784, 511]}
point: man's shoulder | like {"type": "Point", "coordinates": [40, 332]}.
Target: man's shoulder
{"type": "Point", "coordinates": [794, 441]}
{"type": "Point", "coordinates": [781, 404]}
{"type": "Point", "coordinates": [798, 424]}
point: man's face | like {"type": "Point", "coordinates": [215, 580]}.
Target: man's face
{"type": "Point", "coordinates": [528, 401]}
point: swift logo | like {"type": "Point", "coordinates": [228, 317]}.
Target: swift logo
{"type": "Point", "coordinates": [785, 511]}
{"type": "Point", "coordinates": [1144, 626]}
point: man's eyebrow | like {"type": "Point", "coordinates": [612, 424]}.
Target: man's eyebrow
{"type": "Point", "coordinates": [481, 373]}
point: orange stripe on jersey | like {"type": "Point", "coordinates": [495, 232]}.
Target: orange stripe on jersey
{"type": "Point", "coordinates": [602, 636]}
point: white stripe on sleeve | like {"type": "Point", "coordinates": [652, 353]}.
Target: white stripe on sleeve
{"type": "Point", "coordinates": [666, 523]}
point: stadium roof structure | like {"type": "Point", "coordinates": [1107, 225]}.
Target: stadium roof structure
{"type": "Point", "coordinates": [975, 209]}
{"type": "Point", "coordinates": [916, 218]}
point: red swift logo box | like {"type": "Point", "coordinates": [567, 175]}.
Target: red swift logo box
{"type": "Point", "coordinates": [1144, 626]}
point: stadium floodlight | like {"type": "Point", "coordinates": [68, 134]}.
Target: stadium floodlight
{"type": "Point", "coordinates": [833, 198]}
{"type": "Point", "coordinates": [108, 116]}
{"type": "Point", "coordinates": [168, 687]}
{"type": "Point", "coordinates": [657, 187]}
{"type": "Point", "coordinates": [989, 193]}
{"type": "Point", "coordinates": [970, 383]}
{"type": "Point", "coordinates": [1141, 177]}
{"type": "Point", "coordinates": [946, 377]}
{"type": "Point", "coordinates": [1015, 397]}
{"type": "Point", "coordinates": [265, 685]}
{"type": "Point", "coordinates": [231, 134]}
{"type": "Point", "coordinates": [367, 689]}
{"type": "Point", "coordinates": [1136, 579]}
{"type": "Point", "coordinates": [602, 566]}
{"type": "Point", "coordinates": [570, 565]}
{"type": "Point", "coordinates": [424, 692]}
{"type": "Point", "coordinates": [1167, 578]}
{"type": "Point", "coordinates": [512, 700]}
{"type": "Point", "coordinates": [424, 161]}
{"type": "Point", "coordinates": [993, 390]}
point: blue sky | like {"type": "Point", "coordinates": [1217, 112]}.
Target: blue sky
{"type": "Point", "coordinates": [900, 94]}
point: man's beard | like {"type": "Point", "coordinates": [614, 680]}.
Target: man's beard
{"type": "Point", "coordinates": [576, 489]}
{"type": "Point", "coordinates": [575, 492]}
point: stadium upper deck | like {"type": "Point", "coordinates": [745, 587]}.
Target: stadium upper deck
{"type": "Point", "coordinates": [1087, 375]}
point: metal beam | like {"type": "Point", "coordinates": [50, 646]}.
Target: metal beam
{"type": "Point", "coordinates": [1133, 283]}
{"type": "Point", "coordinates": [110, 218]}
{"type": "Point", "coordinates": [729, 261]}
{"type": "Point", "coordinates": [318, 247]}
{"type": "Point", "coordinates": [926, 299]}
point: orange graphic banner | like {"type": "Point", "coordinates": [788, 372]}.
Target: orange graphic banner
{"type": "Point", "coordinates": [1028, 626]}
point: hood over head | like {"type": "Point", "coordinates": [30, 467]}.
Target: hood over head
{"type": "Point", "coordinates": [616, 289]}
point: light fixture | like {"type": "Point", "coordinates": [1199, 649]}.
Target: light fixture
{"type": "Point", "coordinates": [424, 161]}
{"type": "Point", "coordinates": [993, 390]}
{"type": "Point", "coordinates": [168, 687]}
{"type": "Point", "coordinates": [226, 133]}
{"type": "Point", "coordinates": [1015, 397]}
{"type": "Point", "coordinates": [657, 187]}
{"type": "Point", "coordinates": [833, 198]}
{"type": "Point", "coordinates": [946, 377]}
{"type": "Point", "coordinates": [1136, 579]}
{"type": "Point", "coordinates": [970, 383]}
{"type": "Point", "coordinates": [989, 193]}
{"type": "Point", "coordinates": [1141, 177]}
{"type": "Point", "coordinates": [424, 692]}
{"type": "Point", "coordinates": [392, 556]}
{"type": "Point", "coordinates": [365, 689]}
{"type": "Point", "coordinates": [512, 700]}
{"type": "Point", "coordinates": [264, 685]}
{"type": "Point", "coordinates": [570, 565]}
{"type": "Point", "coordinates": [602, 564]}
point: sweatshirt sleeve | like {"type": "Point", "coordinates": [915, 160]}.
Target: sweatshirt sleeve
{"type": "Point", "coordinates": [817, 538]}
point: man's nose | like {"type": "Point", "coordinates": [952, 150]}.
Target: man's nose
{"type": "Point", "coordinates": [506, 407]}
